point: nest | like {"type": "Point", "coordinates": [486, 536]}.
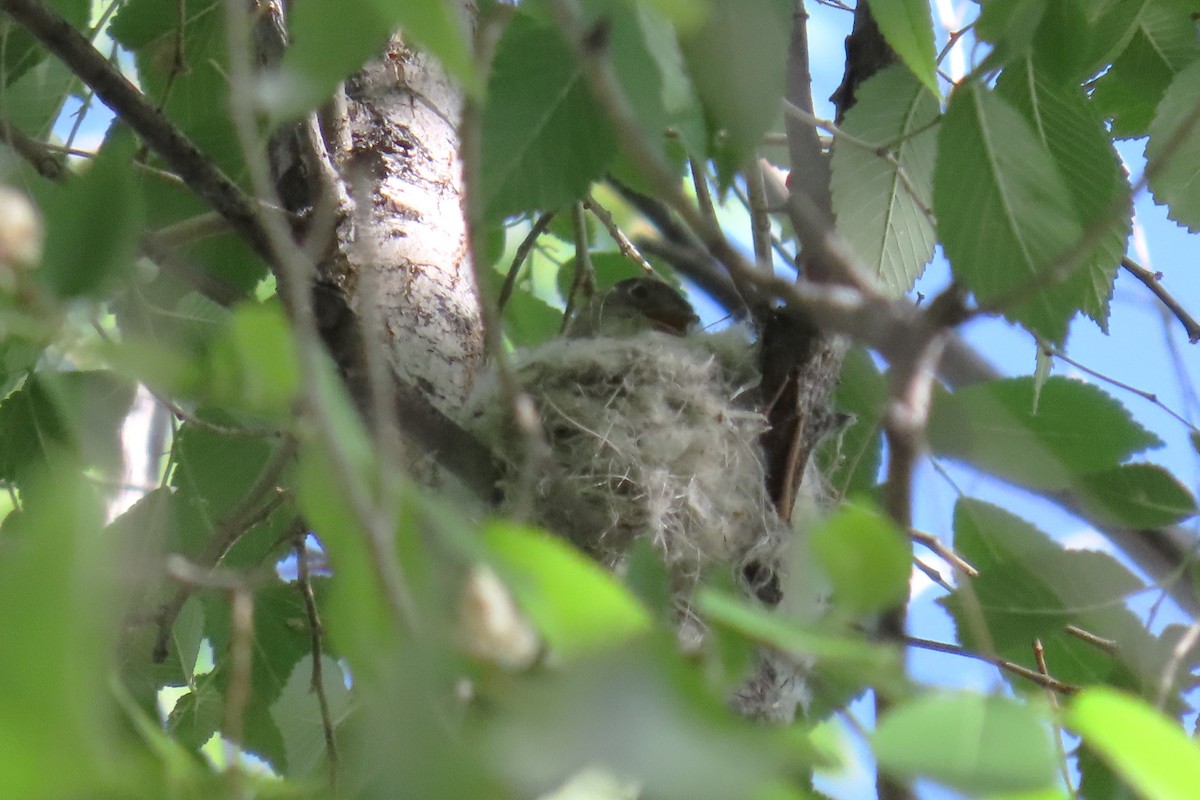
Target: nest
{"type": "Point", "coordinates": [655, 437]}
{"type": "Point", "coordinates": [651, 436]}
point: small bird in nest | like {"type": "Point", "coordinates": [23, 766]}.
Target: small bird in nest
{"type": "Point", "coordinates": [633, 306]}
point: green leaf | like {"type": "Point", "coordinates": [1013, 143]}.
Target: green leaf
{"type": "Point", "coordinates": [642, 714]}
{"type": "Point", "coordinates": [741, 95]}
{"type": "Point", "coordinates": [55, 414]}
{"type": "Point", "coordinates": [92, 223]}
{"type": "Point", "coordinates": [58, 730]}
{"type": "Point", "coordinates": [1078, 430]}
{"type": "Point", "coordinates": [214, 472]}
{"type": "Point", "coordinates": [969, 742]}
{"type": "Point", "coordinates": [544, 137]}
{"type": "Point", "coordinates": [1010, 27]}
{"type": "Point", "coordinates": [21, 52]}
{"type": "Point", "coordinates": [646, 57]}
{"type": "Point", "coordinates": [1075, 136]}
{"type": "Point", "coordinates": [1004, 214]}
{"type": "Point", "coordinates": [1151, 752]}
{"type": "Point", "coordinates": [1030, 587]}
{"type": "Point", "coordinates": [1112, 24]}
{"type": "Point", "coordinates": [850, 461]}
{"type": "Point", "coordinates": [883, 205]}
{"type": "Point", "coordinates": [1173, 152]}
{"type": "Point", "coordinates": [197, 99]}
{"type": "Point", "coordinates": [254, 363]}
{"type": "Point", "coordinates": [196, 716]}
{"type": "Point", "coordinates": [298, 714]}
{"type": "Point", "coordinates": [788, 636]}
{"type": "Point", "coordinates": [1136, 496]}
{"type": "Point", "coordinates": [1163, 43]}
{"type": "Point", "coordinates": [530, 321]}
{"type": "Point", "coordinates": [908, 28]}
{"type": "Point", "coordinates": [575, 603]}
{"type": "Point", "coordinates": [867, 559]}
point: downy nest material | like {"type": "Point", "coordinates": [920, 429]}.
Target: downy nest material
{"type": "Point", "coordinates": [651, 435]}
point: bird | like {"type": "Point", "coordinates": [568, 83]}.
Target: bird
{"type": "Point", "coordinates": [633, 306]}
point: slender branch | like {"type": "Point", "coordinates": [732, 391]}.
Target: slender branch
{"type": "Point", "coordinates": [523, 249]}
{"type": "Point", "coordinates": [41, 157]}
{"type": "Point", "coordinates": [1152, 281]}
{"type": "Point", "coordinates": [136, 110]}
{"type": "Point", "coordinates": [1045, 681]}
{"type": "Point", "coordinates": [933, 574]}
{"type": "Point", "coordinates": [760, 222]}
{"type": "Point", "coordinates": [317, 681]}
{"type": "Point", "coordinates": [1148, 396]}
{"type": "Point", "coordinates": [1039, 656]}
{"type": "Point", "coordinates": [624, 244]}
{"type": "Point", "coordinates": [1182, 649]}
{"type": "Point", "coordinates": [1099, 642]}
{"type": "Point", "coordinates": [259, 502]}
{"type": "Point", "coordinates": [948, 555]}
{"type": "Point", "coordinates": [584, 279]}
{"type": "Point", "coordinates": [237, 695]}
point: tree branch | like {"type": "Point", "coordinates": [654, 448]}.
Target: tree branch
{"type": "Point", "coordinates": [137, 111]}
{"type": "Point", "coordinates": [1152, 281]}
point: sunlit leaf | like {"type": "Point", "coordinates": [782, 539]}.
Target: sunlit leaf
{"type": "Point", "coordinates": [576, 604]}
{"type": "Point", "coordinates": [741, 96]}
{"type": "Point", "coordinates": [1004, 213]}
{"type": "Point", "coordinates": [1077, 430]}
{"type": "Point", "coordinates": [544, 137]}
{"type": "Point", "coordinates": [908, 28]}
{"type": "Point", "coordinates": [1162, 44]}
{"type": "Point", "coordinates": [1173, 152]}
{"type": "Point", "coordinates": [1136, 496]}
{"type": "Point", "coordinates": [1147, 749]}
{"type": "Point", "coordinates": [1069, 127]}
{"type": "Point", "coordinates": [973, 743]}
{"type": "Point", "coordinates": [866, 558]}
{"type": "Point", "coordinates": [884, 204]}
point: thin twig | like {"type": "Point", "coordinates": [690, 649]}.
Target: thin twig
{"type": "Point", "coordinates": [584, 279]}
{"type": "Point", "coordinates": [1046, 681]}
{"type": "Point", "coordinates": [933, 574]}
{"type": "Point", "coordinates": [1181, 650]}
{"type": "Point", "coordinates": [237, 695]}
{"type": "Point", "coordinates": [760, 221]}
{"type": "Point", "coordinates": [703, 195]}
{"type": "Point", "coordinates": [1148, 396]}
{"type": "Point", "coordinates": [523, 250]}
{"type": "Point", "coordinates": [627, 247]}
{"type": "Point", "coordinates": [127, 102]}
{"type": "Point", "coordinates": [259, 502]}
{"type": "Point", "coordinates": [1039, 656]}
{"type": "Point", "coordinates": [1109, 646]}
{"type": "Point", "coordinates": [931, 542]}
{"type": "Point", "coordinates": [37, 153]}
{"type": "Point", "coordinates": [317, 681]}
{"type": "Point", "coordinates": [1153, 282]}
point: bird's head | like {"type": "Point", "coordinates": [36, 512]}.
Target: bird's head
{"type": "Point", "coordinates": [633, 306]}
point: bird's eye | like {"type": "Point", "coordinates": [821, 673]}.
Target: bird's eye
{"type": "Point", "coordinates": [639, 291]}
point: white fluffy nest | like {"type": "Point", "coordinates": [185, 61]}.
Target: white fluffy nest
{"type": "Point", "coordinates": [652, 436]}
